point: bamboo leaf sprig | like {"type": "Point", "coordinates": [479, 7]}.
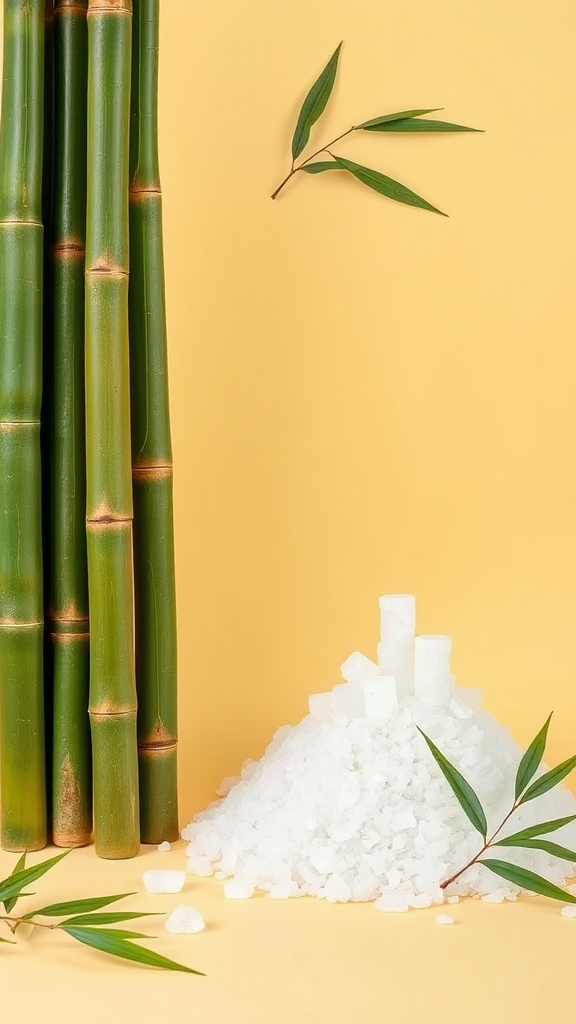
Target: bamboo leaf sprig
{"type": "Point", "coordinates": [528, 838]}
{"type": "Point", "coordinates": [81, 918]}
{"type": "Point", "coordinates": [402, 121]}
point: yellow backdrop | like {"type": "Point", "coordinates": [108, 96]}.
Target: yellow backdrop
{"type": "Point", "coordinates": [368, 398]}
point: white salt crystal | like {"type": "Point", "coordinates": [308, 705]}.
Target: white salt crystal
{"type": "Point", "coordinates": [320, 706]}
{"type": "Point", "coordinates": [238, 889]}
{"type": "Point", "coordinates": [164, 847]}
{"type": "Point", "coordinates": [404, 820]}
{"type": "Point", "coordinates": [226, 784]}
{"type": "Point", "coordinates": [397, 616]}
{"type": "Point", "coordinates": [420, 901]}
{"type": "Point", "coordinates": [453, 899]}
{"type": "Point", "coordinates": [220, 875]}
{"type": "Point", "coordinates": [460, 709]}
{"type": "Point", "coordinates": [493, 897]}
{"type": "Point", "coordinates": [432, 681]}
{"type": "Point", "coordinates": [358, 668]}
{"type": "Point", "coordinates": [185, 920]}
{"type": "Point", "coordinates": [380, 698]}
{"type": "Point", "coordinates": [569, 911]}
{"type": "Point", "coordinates": [393, 902]}
{"type": "Point", "coordinates": [164, 881]}
{"type": "Point", "coordinates": [348, 700]}
{"type": "Point", "coordinates": [282, 891]}
{"type": "Point", "coordinates": [444, 919]}
{"type": "Point", "coordinates": [336, 890]}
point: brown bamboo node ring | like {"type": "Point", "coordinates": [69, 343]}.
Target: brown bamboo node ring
{"type": "Point", "coordinates": [152, 472]}
{"type": "Point", "coordinates": [103, 7]}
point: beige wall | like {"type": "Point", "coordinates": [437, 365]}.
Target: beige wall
{"type": "Point", "coordinates": [368, 398]}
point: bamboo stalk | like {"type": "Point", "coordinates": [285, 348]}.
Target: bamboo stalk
{"type": "Point", "coordinates": [23, 796]}
{"type": "Point", "coordinates": [68, 609]}
{"type": "Point", "coordinates": [108, 461]}
{"type": "Point", "coordinates": [155, 599]}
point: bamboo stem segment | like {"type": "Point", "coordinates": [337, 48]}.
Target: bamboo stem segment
{"type": "Point", "coordinates": [109, 508]}
{"type": "Point", "coordinates": [23, 797]}
{"type": "Point", "coordinates": [155, 599]}
{"type": "Point", "coordinates": [72, 779]}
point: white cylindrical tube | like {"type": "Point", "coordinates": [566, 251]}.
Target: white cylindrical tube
{"type": "Point", "coordinates": [396, 658]}
{"type": "Point", "coordinates": [357, 668]}
{"type": "Point", "coordinates": [432, 677]}
{"type": "Point", "coordinates": [397, 617]}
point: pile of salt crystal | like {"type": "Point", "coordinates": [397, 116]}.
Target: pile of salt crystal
{"type": "Point", "coordinates": [350, 805]}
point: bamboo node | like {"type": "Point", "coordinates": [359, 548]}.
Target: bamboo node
{"type": "Point", "coordinates": [102, 7]}
{"type": "Point", "coordinates": [160, 472]}
{"type": "Point", "coordinates": [70, 247]}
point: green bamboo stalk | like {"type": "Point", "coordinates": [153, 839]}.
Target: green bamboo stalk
{"type": "Point", "coordinates": [68, 609]}
{"type": "Point", "coordinates": [155, 598]}
{"type": "Point", "coordinates": [108, 459]}
{"type": "Point", "coordinates": [23, 796]}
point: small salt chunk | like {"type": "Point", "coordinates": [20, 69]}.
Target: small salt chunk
{"type": "Point", "coordinates": [320, 706]}
{"type": "Point", "coordinates": [403, 820]}
{"type": "Point", "coordinates": [164, 881]}
{"type": "Point", "coordinates": [336, 890]}
{"type": "Point", "coordinates": [493, 897]}
{"type": "Point", "coordinates": [238, 889]}
{"type": "Point", "coordinates": [569, 911]}
{"type": "Point", "coordinates": [421, 901]}
{"type": "Point", "coordinates": [459, 709]}
{"type": "Point", "coordinates": [282, 890]}
{"type": "Point", "coordinates": [185, 920]}
{"type": "Point", "coordinates": [358, 668]}
{"type": "Point", "coordinates": [164, 847]}
{"type": "Point", "coordinates": [348, 700]}
{"type": "Point", "coordinates": [572, 888]}
{"type": "Point", "coordinates": [197, 867]}
{"type": "Point", "coordinates": [444, 919]}
{"type": "Point", "coordinates": [453, 899]}
{"type": "Point", "coordinates": [220, 875]}
{"type": "Point", "coordinates": [393, 902]}
{"type": "Point", "coordinates": [227, 784]}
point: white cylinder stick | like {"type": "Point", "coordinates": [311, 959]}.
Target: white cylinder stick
{"type": "Point", "coordinates": [396, 658]}
{"type": "Point", "coordinates": [380, 698]}
{"type": "Point", "coordinates": [357, 668]}
{"type": "Point", "coordinates": [397, 616]}
{"type": "Point", "coordinates": [432, 677]}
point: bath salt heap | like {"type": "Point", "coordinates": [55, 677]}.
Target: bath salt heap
{"type": "Point", "coordinates": [349, 805]}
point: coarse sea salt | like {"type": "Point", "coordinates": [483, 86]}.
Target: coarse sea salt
{"type": "Point", "coordinates": [350, 805]}
{"type": "Point", "coordinates": [568, 911]}
{"type": "Point", "coordinates": [185, 920]}
{"type": "Point", "coordinates": [164, 881]}
{"type": "Point", "coordinates": [164, 847]}
{"type": "Point", "coordinates": [444, 919]}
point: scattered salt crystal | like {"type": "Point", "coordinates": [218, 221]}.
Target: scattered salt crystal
{"type": "Point", "coordinates": [453, 899]}
{"type": "Point", "coordinates": [238, 889]}
{"type": "Point", "coordinates": [493, 897]}
{"type": "Point", "coordinates": [185, 920]}
{"type": "Point", "coordinates": [164, 847]}
{"type": "Point", "coordinates": [164, 881]}
{"type": "Point", "coordinates": [444, 919]}
{"type": "Point", "coordinates": [420, 901]}
{"type": "Point", "coordinates": [569, 911]}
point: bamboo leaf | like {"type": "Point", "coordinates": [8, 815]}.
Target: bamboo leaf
{"type": "Point", "coordinates": [321, 165]}
{"type": "Point", "coordinates": [562, 852]}
{"type": "Point", "coordinates": [527, 880]}
{"type": "Point", "coordinates": [107, 943]}
{"type": "Point", "coordinates": [315, 103]}
{"type": "Point", "coordinates": [386, 186]}
{"type": "Point", "coordinates": [536, 830]}
{"type": "Point", "coordinates": [11, 902]}
{"type": "Point", "coordinates": [531, 759]}
{"type": "Point", "coordinates": [462, 790]}
{"type": "Point", "coordinates": [549, 780]}
{"type": "Point", "coordinates": [14, 884]}
{"type": "Point", "coordinates": [111, 918]}
{"type": "Point", "coordinates": [402, 115]}
{"type": "Point", "coordinates": [410, 125]}
{"type": "Point", "coordinates": [121, 933]}
{"type": "Point", "coordinates": [77, 906]}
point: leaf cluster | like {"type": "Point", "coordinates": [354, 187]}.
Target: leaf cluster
{"type": "Point", "coordinates": [402, 121]}
{"type": "Point", "coordinates": [81, 919]}
{"type": "Point", "coordinates": [528, 838]}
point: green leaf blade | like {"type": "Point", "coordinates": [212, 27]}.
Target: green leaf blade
{"type": "Point", "coordinates": [386, 186]}
{"type": "Point", "coordinates": [530, 761]}
{"type": "Point", "coordinates": [107, 943]}
{"type": "Point", "coordinates": [315, 103]}
{"type": "Point", "coordinates": [400, 115]}
{"type": "Point", "coordinates": [554, 849]}
{"type": "Point", "coordinates": [110, 918]}
{"type": "Point", "coordinates": [8, 941]}
{"type": "Point", "coordinates": [121, 933]}
{"type": "Point", "coordinates": [319, 166]}
{"type": "Point", "coordinates": [78, 906]}
{"type": "Point", "coordinates": [14, 884]}
{"type": "Point", "coordinates": [410, 124]}
{"type": "Point", "coordinates": [11, 902]}
{"type": "Point", "coordinates": [544, 828]}
{"type": "Point", "coordinates": [462, 789]}
{"type": "Point", "coordinates": [549, 780]}
{"type": "Point", "coordinates": [527, 880]}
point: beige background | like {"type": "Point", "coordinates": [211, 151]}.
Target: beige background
{"type": "Point", "coordinates": [366, 398]}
